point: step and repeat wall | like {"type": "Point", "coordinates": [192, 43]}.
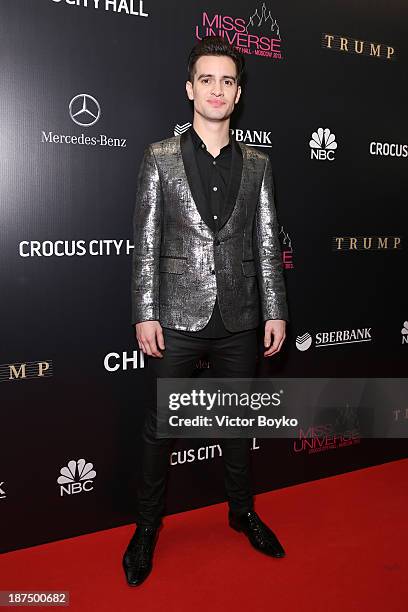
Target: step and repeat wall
{"type": "Point", "coordinates": [85, 86]}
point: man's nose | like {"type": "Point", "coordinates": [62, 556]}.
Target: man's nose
{"type": "Point", "coordinates": [217, 90]}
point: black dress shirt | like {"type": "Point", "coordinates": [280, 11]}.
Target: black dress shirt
{"type": "Point", "coordinates": [215, 175]}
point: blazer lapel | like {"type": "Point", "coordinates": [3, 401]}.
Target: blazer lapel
{"type": "Point", "coordinates": [237, 169]}
{"type": "Point", "coordinates": [194, 178]}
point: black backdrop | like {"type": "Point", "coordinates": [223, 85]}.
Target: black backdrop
{"type": "Point", "coordinates": [73, 386]}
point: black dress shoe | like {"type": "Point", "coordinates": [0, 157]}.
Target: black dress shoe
{"type": "Point", "coordinates": [137, 560]}
{"type": "Point", "coordinates": [261, 537]}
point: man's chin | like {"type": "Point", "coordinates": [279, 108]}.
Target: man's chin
{"type": "Point", "coordinates": [216, 116]}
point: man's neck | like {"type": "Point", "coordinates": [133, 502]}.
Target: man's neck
{"type": "Point", "coordinates": [215, 135]}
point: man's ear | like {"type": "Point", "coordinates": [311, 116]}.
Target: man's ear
{"type": "Point", "coordinates": [189, 90]}
{"type": "Point", "coordinates": [237, 97]}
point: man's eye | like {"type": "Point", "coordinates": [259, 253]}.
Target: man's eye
{"type": "Point", "coordinates": [229, 82]}
{"type": "Point", "coordinates": [205, 80]}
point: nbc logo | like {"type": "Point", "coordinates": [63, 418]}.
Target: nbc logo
{"type": "Point", "coordinates": [2, 491]}
{"type": "Point", "coordinates": [304, 342]}
{"type": "Point", "coordinates": [404, 333]}
{"type": "Point", "coordinates": [322, 145]}
{"type": "Point", "coordinates": [76, 477]}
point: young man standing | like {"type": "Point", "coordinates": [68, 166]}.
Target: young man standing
{"type": "Point", "coordinates": [206, 263]}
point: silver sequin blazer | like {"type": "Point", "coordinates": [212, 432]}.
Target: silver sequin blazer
{"type": "Point", "coordinates": [180, 263]}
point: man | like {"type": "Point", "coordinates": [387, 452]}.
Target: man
{"type": "Point", "coordinates": [206, 260]}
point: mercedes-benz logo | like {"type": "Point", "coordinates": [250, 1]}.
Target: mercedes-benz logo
{"type": "Point", "coordinates": [84, 110]}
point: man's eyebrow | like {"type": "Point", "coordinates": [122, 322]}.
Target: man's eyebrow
{"type": "Point", "coordinates": [226, 76]}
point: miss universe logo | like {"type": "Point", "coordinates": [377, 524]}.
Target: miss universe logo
{"type": "Point", "coordinates": [258, 34]}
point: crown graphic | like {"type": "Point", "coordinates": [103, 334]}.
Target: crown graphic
{"type": "Point", "coordinates": [258, 20]}
{"type": "Point", "coordinates": [76, 471]}
{"type": "Point", "coordinates": [286, 240]}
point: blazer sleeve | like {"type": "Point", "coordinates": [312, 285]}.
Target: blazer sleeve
{"type": "Point", "coordinates": [267, 252]}
{"type": "Point", "coordinates": [147, 227]}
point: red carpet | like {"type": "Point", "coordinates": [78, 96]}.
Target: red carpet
{"type": "Point", "coordinates": [345, 538]}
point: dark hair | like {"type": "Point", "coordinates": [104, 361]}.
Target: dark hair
{"type": "Point", "coordinates": [215, 45]}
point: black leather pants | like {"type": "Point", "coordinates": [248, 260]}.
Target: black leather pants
{"type": "Point", "coordinates": [232, 356]}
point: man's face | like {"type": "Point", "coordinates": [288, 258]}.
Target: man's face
{"type": "Point", "coordinates": [214, 88]}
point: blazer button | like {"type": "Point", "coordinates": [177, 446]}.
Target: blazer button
{"type": "Point", "coordinates": [212, 271]}
{"type": "Point", "coordinates": [217, 242]}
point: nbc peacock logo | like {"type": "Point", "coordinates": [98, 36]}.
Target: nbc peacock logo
{"type": "Point", "coordinates": [76, 477]}
{"type": "Point", "coordinates": [322, 144]}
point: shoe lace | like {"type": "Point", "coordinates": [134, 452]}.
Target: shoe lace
{"type": "Point", "coordinates": [259, 526]}
{"type": "Point", "coordinates": [141, 547]}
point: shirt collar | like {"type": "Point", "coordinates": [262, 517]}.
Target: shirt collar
{"type": "Point", "coordinates": [197, 141]}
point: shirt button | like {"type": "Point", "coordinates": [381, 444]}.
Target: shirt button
{"type": "Point", "coordinates": [203, 146]}
{"type": "Point", "coordinates": [215, 188]}
{"type": "Point", "coordinates": [214, 162]}
{"type": "Point", "coordinates": [215, 217]}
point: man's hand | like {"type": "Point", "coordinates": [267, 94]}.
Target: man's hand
{"type": "Point", "coordinates": [149, 335]}
{"type": "Point", "coordinates": [275, 328]}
